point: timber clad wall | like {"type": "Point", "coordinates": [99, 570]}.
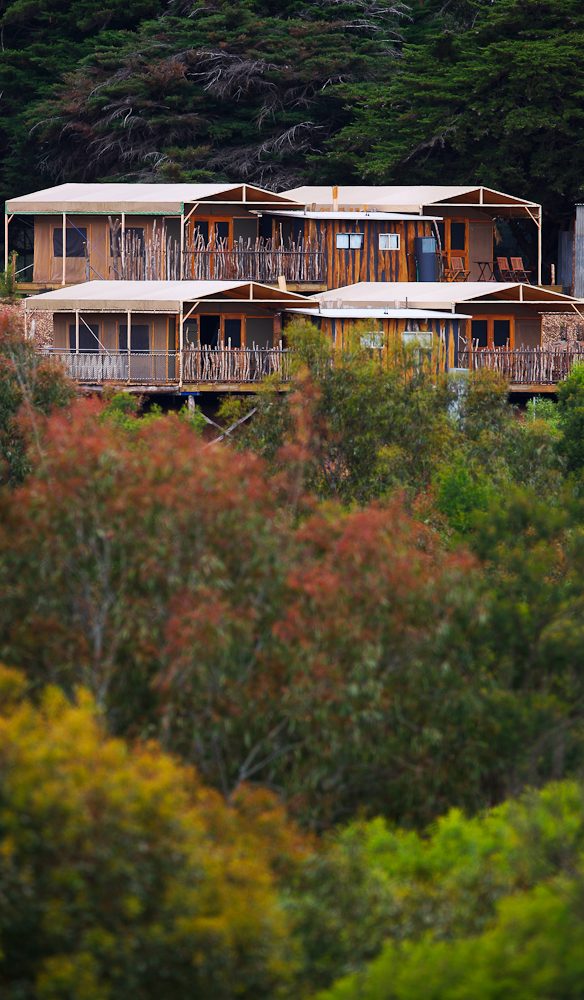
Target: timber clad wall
{"type": "Point", "coordinates": [445, 332]}
{"type": "Point", "coordinates": [346, 267]}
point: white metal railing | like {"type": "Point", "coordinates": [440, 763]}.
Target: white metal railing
{"type": "Point", "coordinates": [144, 367]}
{"type": "Point", "coordinates": [206, 364]}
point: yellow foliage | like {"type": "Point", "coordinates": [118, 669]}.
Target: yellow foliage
{"type": "Point", "coordinates": [135, 877]}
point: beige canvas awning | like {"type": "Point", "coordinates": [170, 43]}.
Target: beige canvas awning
{"type": "Point", "coordinates": [416, 199]}
{"type": "Point", "coordinates": [146, 199]}
{"type": "Point", "coordinates": [157, 296]}
{"type": "Point", "coordinates": [439, 294]}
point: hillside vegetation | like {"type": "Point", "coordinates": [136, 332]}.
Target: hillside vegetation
{"type": "Point", "coordinates": [297, 715]}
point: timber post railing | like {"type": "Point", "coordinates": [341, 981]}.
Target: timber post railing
{"type": "Point", "coordinates": [524, 366]}
{"type": "Point", "coordinates": [156, 258]}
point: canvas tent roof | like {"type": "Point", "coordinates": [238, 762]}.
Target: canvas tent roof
{"type": "Point", "coordinates": [413, 198]}
{"type": "Point", "coordinates": [156, 296]}
{"type": "Point", "coordinates": [354, 214]}
{"type": "Point", "coordinates": [356, 313]}
{"type": "Point", "coordinates": [437, 294]}
{"type": "Point", "coordinates": [149, 199]}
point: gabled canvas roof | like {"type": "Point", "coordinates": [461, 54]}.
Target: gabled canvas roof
{"type": "Point", "coordinates": [148, 199]}
{"type": "Point", "coordinates": [156, 296]}
{"type": "Point", "coordinates": [350, 312]}
{"type": "Point", "coordinates": [438, 294]}
{"type": "Point", "coordinates": [415, 198]}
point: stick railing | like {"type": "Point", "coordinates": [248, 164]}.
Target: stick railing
{"type": "Point", "coordinates": [235, 364]}
{"type": "Point", "coordinates": [524, 366]}
{"type": "Point", "coordinates": [262, 259]}
{"type": "Point", "coordinates": [140, 256]}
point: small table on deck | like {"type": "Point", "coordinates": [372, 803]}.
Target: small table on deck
{"type": "Point", "coordinates": [486, 270]}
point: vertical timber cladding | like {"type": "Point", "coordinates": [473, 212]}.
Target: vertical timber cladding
{"type": "Point", "coordinates": [347, 267]}
{"type": "Point", "coordinates": [340, 331]}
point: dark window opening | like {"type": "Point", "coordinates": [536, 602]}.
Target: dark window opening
{"type": "Point", "coordinates": [458, 236]}
{"type": "Point", "coordinates": [501, 332]}
{"type": "Point", "coordinates": [479, 332]}
{"type": "Point", "coordinates": [76, 242]}
{"type": "Point", "coordinates": [201, 231]}
{"type": "Point", "coordinates": [191, 333]}
{"type": "Point", "coordinates": [221, 231]}
{"type": "Point", "coordinates": [140, 337]}
{"type": "Point", "coordinates": [232, 332]}
{"type": "Point", "coordinates": [210, 330]}
{"type": "Point", "coordinates": [88, 337]}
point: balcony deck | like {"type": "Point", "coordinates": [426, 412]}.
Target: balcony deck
{"type": "Point", "coordinates": [529, 369]}
{"type": "Point", "coordinates": [203, 369]}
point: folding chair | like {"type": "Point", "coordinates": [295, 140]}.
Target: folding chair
{"type": "Point", "coordinates": [455, 270]}
{"type": "Point", "coordinates": [505, 272]}
{"type": "Point", "coordinates": [519, 271]}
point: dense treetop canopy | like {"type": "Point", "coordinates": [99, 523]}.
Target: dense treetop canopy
{"type": "Point", "coordinates": [363, 90]}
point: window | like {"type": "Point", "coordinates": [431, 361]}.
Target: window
{"type": "Point", "coordinates": [76, 242]}
{"type": "Point", "coordinates": [88, 337]}
{"type": "Point", "coordinates": [349, 241]}
{"type": "Point", "coordinates": [419, 343]}
{"type": "Point", "coordinates": [492, 332]}
{"type": "Point", "coordinates": [191, 333]}
{"type": "Point", "coordinates": [389, 241]}
{"type": "Point", "coordinates": [458, 236]}
{"type": "Point", "coordinates": [232, 332]}
{"type": "Point", "coordinates": [373, 341]}
{"type": "Point", "coordinates": [140, 337]}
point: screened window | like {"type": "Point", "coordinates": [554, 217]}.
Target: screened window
{"type": "Point", "coordinates": [75, 241]}
{"type": "Point", "coordinates": [88, 337]}
{"type": "Point", "coordinates": [140, 337]}
{"type": "Point", "coordinates": [389, 241]}
{"type": "Point", "coordinates": [349, 241]}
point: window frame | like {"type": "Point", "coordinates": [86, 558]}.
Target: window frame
{"type": "Point", "coordinates": [70, 229]}
{"type": "Point", "coordinates": [349, 237]}
{"type": "Point", "coordinates": [124, 323]}
{"type": "Point", "coordinates": [389, 236]}
{"type": "Point", "coordinates": [490, 321]}
{"type": "Point", "coordinates": [71, 334]}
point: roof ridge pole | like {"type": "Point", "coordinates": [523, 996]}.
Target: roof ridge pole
{"type": "Point", "coordinates": [64, 251]}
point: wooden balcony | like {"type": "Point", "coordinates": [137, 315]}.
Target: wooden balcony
{"type": "Point", "coordinates": [207, 367]}
{"type": "Point", "coordinates": [525, 368]}
{"type": "Point", "coordinates": [241, 264]}
{"type": "Point", "coordinates": [261, 259]}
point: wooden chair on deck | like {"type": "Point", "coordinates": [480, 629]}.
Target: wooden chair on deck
{"type": "Point", "coordinates": [505, 272]}
{"type": "Point", "coordinates": [520, 272]}
{"type": "Point", "coordinates": [454, 270]}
